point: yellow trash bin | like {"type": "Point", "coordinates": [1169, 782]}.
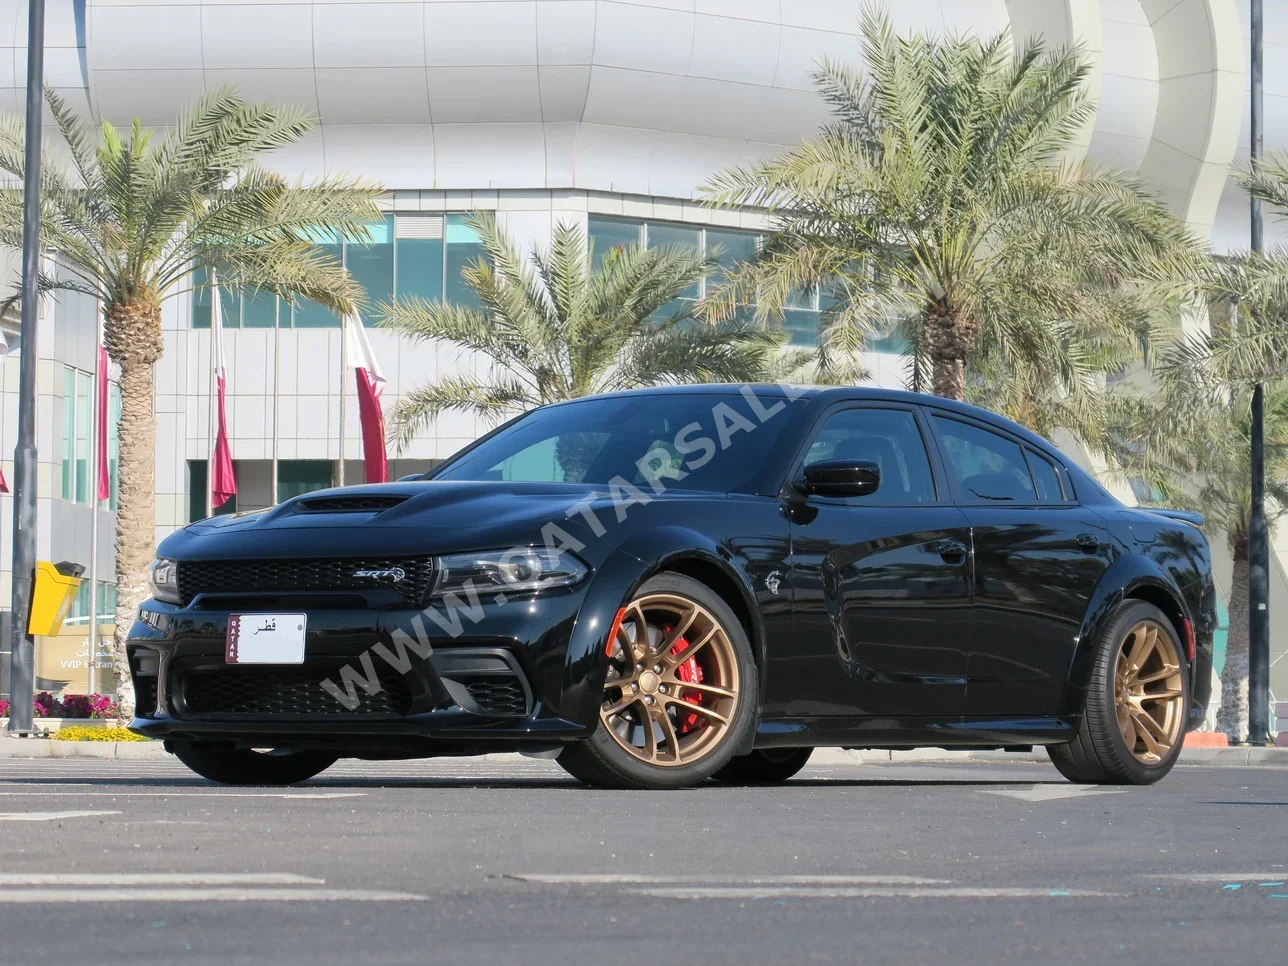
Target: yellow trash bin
{"type": "Point", "coordinates": [51, 599]}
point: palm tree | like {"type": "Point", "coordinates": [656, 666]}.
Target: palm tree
{"type": "Point", "coordinates": [1192, 443]}
{"type": "Point", "coordinates": [1199, 428]}
{"type": "Point", "coordinates": [938, 198]}
{"type": "Point", "coordinates": [557, 327]}
{"type": "Point", "coordinates": [134, 217]}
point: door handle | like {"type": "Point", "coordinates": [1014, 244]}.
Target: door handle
{"type": "Point", "coordinates": [951, 550]}
{"type": "Point", "coordinates": [1088, 542]}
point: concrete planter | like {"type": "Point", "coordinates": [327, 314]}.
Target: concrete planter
{"type": "Point", "coordinates": [51, 725]}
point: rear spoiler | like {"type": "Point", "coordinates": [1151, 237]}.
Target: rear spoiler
{"type": "Point", "coordinates": [1185, 516]}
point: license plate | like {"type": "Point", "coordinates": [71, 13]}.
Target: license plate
{"type": "Point", "coordinates": [265, 639]}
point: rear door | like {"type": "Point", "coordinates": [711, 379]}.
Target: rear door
{"type": "Point", "coordinates": [881, 583]}
{"type": "Point", "coordinates": [1038, 558]}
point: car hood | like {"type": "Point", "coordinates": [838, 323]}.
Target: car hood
{"type": "Point", "coordinates": [414, 517]}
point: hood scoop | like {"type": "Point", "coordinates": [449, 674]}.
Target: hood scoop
{"type": "Point", "coordinates": [350, 504]}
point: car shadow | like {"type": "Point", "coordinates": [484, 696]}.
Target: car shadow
{"type": "Point", "coordinates": [463, 782]}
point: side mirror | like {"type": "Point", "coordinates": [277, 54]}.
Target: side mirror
{"type": "Point", "coordinates": [841, 478]}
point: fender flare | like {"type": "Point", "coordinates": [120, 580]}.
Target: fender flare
{"type": "Point", "coordinates": [1130, 576]}
{"type": "Point", "coordinates": [615, 581]}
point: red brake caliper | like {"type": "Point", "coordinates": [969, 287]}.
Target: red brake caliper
{"type": "Point", "coordinates": [688, 671]}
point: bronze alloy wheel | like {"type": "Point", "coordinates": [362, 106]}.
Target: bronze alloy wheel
{"type": "Point", "coordinates": [672, 685]}
{"type": "Point", "coordinates": [1149, 692]}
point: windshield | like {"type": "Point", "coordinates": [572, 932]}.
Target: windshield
{"type": "Point", "coordinates": [714, 443]}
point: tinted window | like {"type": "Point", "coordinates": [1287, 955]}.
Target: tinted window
{"type": "Point", "coordinates": [1047, 478]}
{"type": "Point", "coordinates": [888, 437]}
{"type": "Point", "coordinates": [983, 465]}
{"type": "Point", "coordinates": [708, 442]}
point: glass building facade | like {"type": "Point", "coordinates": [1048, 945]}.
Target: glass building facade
{"type": "Point", "coordinates": [410, 254]}
{"type": "Point", "coordinates": [78, 484]}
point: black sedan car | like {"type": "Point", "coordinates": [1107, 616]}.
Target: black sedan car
{"type": "Point", "coordinates": [665, 586]}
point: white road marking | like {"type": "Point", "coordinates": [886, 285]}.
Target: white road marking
{"type": "Point", "coordinates": [1051, 793]}
{"type": "Point", "coordinates": [48, 816]}
{"type": "Point", "coordinates": [869, 892]}
{"type": "Point", "coordinates": [180, 894]}
{"type": "Point", "coordinates": [126, 793]}
{"type": "Point", "coordinates": [1221, 876]}
{"type": "Point", "coordinates": [131, 879]}
{"type": "Point", "coordinates": [751, 880]}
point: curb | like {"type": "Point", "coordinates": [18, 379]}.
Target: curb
{"type": "Point", "coordinates": [33, 748]}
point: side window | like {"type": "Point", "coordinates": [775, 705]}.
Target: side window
{"type": "Point", "coordinates": [888, 437]}
{"type": "Point", "coordinates": [985, 467]}
{"type": "Point", "coordinates": [1047, 478]}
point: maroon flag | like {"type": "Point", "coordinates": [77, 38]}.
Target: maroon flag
{"type": "Point", "coordinates": [104, 479]}
{"type": "Point", "coordinates": [223, 484]}
{"type": "Point", "coordinates": [371, 383]}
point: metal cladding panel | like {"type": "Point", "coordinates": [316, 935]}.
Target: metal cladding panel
{"type": "Point", "coordinates": [657, 94]}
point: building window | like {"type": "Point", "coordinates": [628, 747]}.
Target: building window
{"type": "Point", "coordinates": [79, 483]}
{"type": "Point", "coordinates": [198, 481]}
{"type": "Point", "coordinates": [78, 613]}
{"type": "Point", "coordinates": [409, 255]}
{"type": "Point", "coordinates": [728, 247]}
{"type": "Point", "coordinates": [462, 249]}
{"type": "Point", "coordinates": [114, 447]}
{"type": "Point", "coordinates": [419, 268]}
{"type": "Point", "coordinates": [297, 477]}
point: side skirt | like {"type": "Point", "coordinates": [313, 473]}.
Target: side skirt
{"type": "Point", "coordinates": [975, 733]}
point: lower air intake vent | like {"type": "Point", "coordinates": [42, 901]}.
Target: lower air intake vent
{"type": "Point", "coordinates": [285, 693]}
{"type": "Point", "coordinates": [145, 696]}
{"type": "Point", "coordinates": [497, 695]}
{"type": "Point", "coordinates": [484, 681]}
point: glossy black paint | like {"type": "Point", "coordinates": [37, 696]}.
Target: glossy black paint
{"type": "Point", "coordinates": [941, 622]}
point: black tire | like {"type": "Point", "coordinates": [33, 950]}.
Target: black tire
{"type": "Point", "coordinates": [245, 766]}
{"type": "Point", "coordinates": [601, 762]}
{"type": "Point", "coordinates": [1099, 754]}
{"type": "Point", "coordinates": [771, 766]}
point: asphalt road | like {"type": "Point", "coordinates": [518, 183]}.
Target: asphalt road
{"type": "Point", "coordinates": [499, 862]}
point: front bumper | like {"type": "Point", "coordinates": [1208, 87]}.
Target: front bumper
{"type": "Point", "coordinates": [401, 683]}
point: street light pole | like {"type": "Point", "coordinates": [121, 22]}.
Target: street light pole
{"type": "Point", "coordinates": [22, 645]}
{"type": "Point", "coordinates": [1258, 537]}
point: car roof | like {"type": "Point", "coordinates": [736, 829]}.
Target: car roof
{"type": "Point", "coordinates": [826, 395]}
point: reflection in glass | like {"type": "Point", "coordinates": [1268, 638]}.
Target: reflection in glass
{"type": "Point", "coordinates": [463, 248]}
{"type": "Point", "coordinates": [607, 234]}
{"type": "Point", "coordinates": [372, 264]}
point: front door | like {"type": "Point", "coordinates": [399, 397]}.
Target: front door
{"type": "Point", "coordinates": [1038, 559]}
{"type": "Point", "coordinates": [882, 583]}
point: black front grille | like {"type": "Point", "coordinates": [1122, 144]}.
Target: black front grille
{"type": "Point", "coordinates": [497, 694]}
{"type": "Point", "coordinates": [409, 577]}
{"type": "Point", "coordinates": [349, 504]}
{"type": "Point", "coordinates": [297, 692]}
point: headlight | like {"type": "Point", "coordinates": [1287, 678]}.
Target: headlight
{"type": "Point", "coordinates": [514, 571]}
{"type": "Point", "coordinates": [163, 576]}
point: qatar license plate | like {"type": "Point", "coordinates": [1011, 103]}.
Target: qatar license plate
{"type": "Point", "coordinates": [265, 639]}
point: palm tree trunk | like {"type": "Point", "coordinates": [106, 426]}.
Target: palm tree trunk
{"type": "Point", "coordinates": [950, 338]}
{"type": "Point", "coordinates": [1233, 716]}
{"type": "Point", "coordinates": [133, 336]}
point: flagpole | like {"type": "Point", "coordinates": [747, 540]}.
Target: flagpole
{"type": "Point", "coordinates": [277, 379]}
{"type": "Point", "coordinates": [344, 365]}
{"type": "Point", "coordinates": [210, 398]}
{"type": "Point", "coordinates": [95, 457]}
